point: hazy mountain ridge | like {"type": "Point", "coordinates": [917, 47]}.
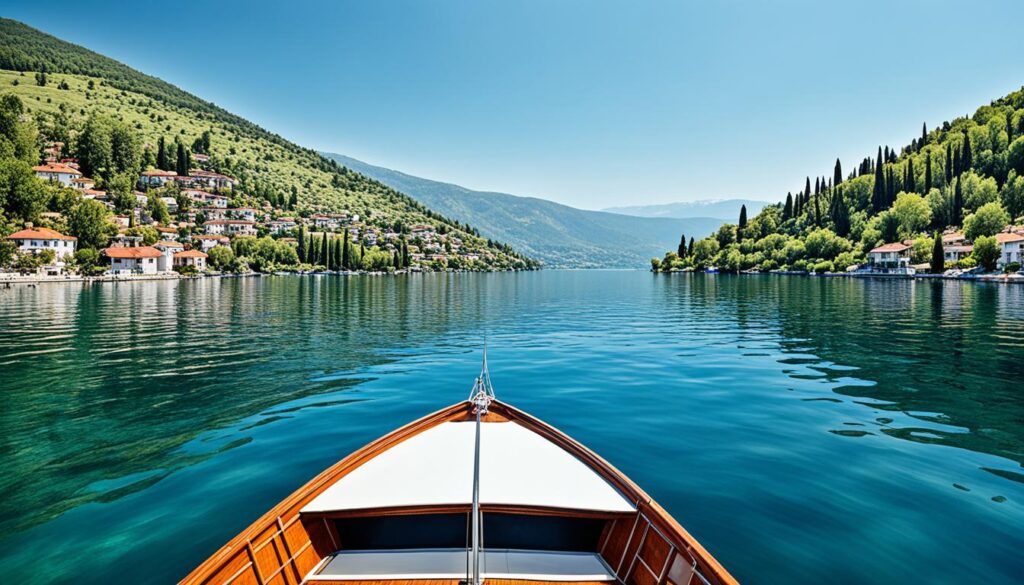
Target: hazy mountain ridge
{"type": "Point", "coordinates": [724, 209]}
{"type": "Point", "coordinates": [560, 235]}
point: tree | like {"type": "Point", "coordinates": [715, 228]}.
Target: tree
{"type": "Point", "coordinates": [221, 257]}
{"type": "Point", "coordinates": [704, 252]}
{"type": "Point", "coordinates": [949, 162]}
{"type": "Point", "coordinates": [301, 248]}
{"type": "Point", "coordinates": [22, 134]}
{"type": "Point", "coordinates": [21, 194]}
{"type": "Point", "coordinates": [158, 209]}
{"type": "Point", "coordinates": [87, 221]}
{"type": "Point", "coordinates": [1015, 155]}
{"type": "Point", "coordinates": [1012, 195]}
{"type": "Point", "coordinates": [183, 161]}
{"type": "Point", "coordinates": [161, 155]}
{"type": "Point", "coordinates": [837, 174]}
{"type": "Point", "coordinates": [966, 157]}
{"type": "Point", "coordinates": [908, 182]}
{"type": "Point", "coordinates": [928, 173]}
{"type": "Point", "coordinates": [988, 220]}
{"type": "Point", "coordinates": [742, 225]}
{"type": "Point", "coordinates": [957, 215]}
{"type": "Point", "coordinates": [878, 190]}
{"type": "Point", "coordinates": [924, 135]}
{"type": "Point", "coordinates": [94, 148]}
{"type": "Point", "coordinates": [346, 251]}
{"type": "Point", "coordinates": [986, 252]}
{"type": "Point", "coordinates": [787, 211]}
{"type": "Point", "coordinates": [689, 249]}
{"type": "Point", "coordinates": [681, 249]}
{"type": "Point", "coordinates": [325, 251]}
{"type": "Point", "coordinates": [912, 212]}
{"type": "Point", "coordinates": [841, 214]}
{"type": "Point", "coordinates": [978, 191]}
{"type": "Point", "coordinates": [938, 256]}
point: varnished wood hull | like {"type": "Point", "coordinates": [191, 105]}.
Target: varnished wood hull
{"type": "Point", "coordinates": [282, 546]}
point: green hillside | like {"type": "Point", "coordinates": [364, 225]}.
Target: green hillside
{"type": "Point", "coordinates": [81, 85]}
{"type": "Point", "coordinates": [559, 235]}
{"type": "Point", "coordinates": [965, 176]}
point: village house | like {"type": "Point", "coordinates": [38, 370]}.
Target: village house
{"type": "Point", "coordinates": [191, 258]}
{"type": "Point", "coordinates": [426, 232]}
{"type": "Point", "coordinates": [206, 199]}
{"type": "Point", "coordinates": [282, 225]}
{"type": "Point", "coordinates": [1012, 245]}
{"type": "Point", "coordinates": [157, 177]}
{"type": "Point", "coordinates": [171, 203]}
{"type": "Point", "coordinates": [246, 213]}
{"type": "Point", "coordinates": [34, 240]}
{"type": "Point", "coordinates": [890, 257]}
{"type": "Point", "coordinates": [83, 183]}
{"type": "Point", "coordinates": [214, 213]}
{"type": "Point", "coordinates": [167, 250]}
{"type": "Point", "coordinates": [167, 233]}
{"type": "Point", "coordinates": [331, 221]}
{"type": "Point", "coordinates": [231, 227]}
{"type": "Point", "coordinates": [956, 252]}
{"type": "Point", "coordinates": [208, 242]}
{"type": "Point", "coordinates": [211, 179]}
{"type": "Point", "coordinates": [133, 260]}
{"type": "Point", "coordinates": [58, 172]}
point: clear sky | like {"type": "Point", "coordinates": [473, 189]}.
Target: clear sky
{"type": "Point", "coordinates": [585, 102]}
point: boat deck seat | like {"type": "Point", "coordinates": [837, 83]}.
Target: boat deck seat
{"type": "Point", "coordinates": [405, 564]}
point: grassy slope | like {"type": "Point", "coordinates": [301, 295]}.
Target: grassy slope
{"type": "Point", "coordinates": [157, 108]}
{"type": "Point", "coordinates": [557, 234]}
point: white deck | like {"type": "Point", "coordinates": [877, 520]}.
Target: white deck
{"type": "Point", "coordinates": [373, 565]}
{"type": "Point", "coordinates": [518, 467]}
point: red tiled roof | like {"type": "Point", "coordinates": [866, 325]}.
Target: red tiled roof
{"type": "Point", "coordinates": [190, 254]}
{"type": "Point", "coordinates": [40, 234]}
{"type": "Point", "coordinates": [1005, 238]}
{"type": "Point", "coordinates": [896, 247]}
{"type": "Point", "coordinates": [159, 173]}
{"type": "Point", "coordinates": [136, 253]}
{"type": "Point", "coordinates": [56, 168]}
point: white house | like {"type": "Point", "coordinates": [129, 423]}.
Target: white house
{"type": "Point", "coordinates": [141, 260]}
{"type": "Point", "coordinates": [59, 172]}
{"type": "Point", "coordinates": [282, 225]}
{"type": "Point", "coordinates": [35, 240]}
{"type": "Point", "coordinates": [83, 183]}
{"type": "Point", "coordinates": [167, 251]}
{"type": "Point", "coordinates": [1012, 248]}
{"type": "Point", "coordinates": [157, 178]}
{"type": "Point", "coordinates": [246, 213]}
{"type": "Point", "coordinates": [895, 256]}
{"type": "Point", "coordinates": [231, 227]}
{"type": "Point", "coordinates": [956, 252]}
{"type": "Point", "coordinates": [214, 213]}
{"type": "Point", "coordinates": [211, 179]}
{"type": "Point", "coordinates": [191, 258]}
{"type": "Point", "coordinates": [207, 242]}
{"type": "Point", "coordinates": [207, 199]}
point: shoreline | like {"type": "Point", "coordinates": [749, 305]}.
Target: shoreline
{"type": "Point", "coordinates": [992, 278]}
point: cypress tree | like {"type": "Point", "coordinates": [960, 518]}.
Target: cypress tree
{"type": "Point", "coordinates": [325, 251]}
{"type": "Point", "coordinates": [928, 174]}
{"type": "Point", "coordinates": [949, 163]}
{"type": "Point", "coordinates": [689, 249]}
{"type": "Point", "coordinates": [302, 243]}
{"type": "Point", "coordinates": [336, 254]}
{"type": "Point", "coordinates": [161, 155]}
{"type": "Point", "coordinates": [346, 252]}
{"type": "Point", "coordinates": [841, 217]}
{"type": "Point", "coordinates": [958, 203]}
{"type": "Point", "coordinates": [742, 225]}
{"type": "Point", "coordinates": [182, 162]}
{"type": "Point", "coordinates": [787, 210]}
{"type": "Point", "coordinates": [878, 193]}
{"type": "Point", "coordinates": [966, 159]}
{"type": "Point", "coordinates": [909, 186]}
{"type": "Point", "coordinates": [681, 250]}
{"type": "Point", "coordinates": [957, 163]}
{"type": "Point", "coordinates": [890, 188]}
{"type": "Point", "coordinates": [938, 259]}
{"type": "Point", "coordinates": [837, 174]}
{"type": "Point", "coordinates": [817, 212]}
{"type": "Point", "coordinates": [924, 135]}
{"type": "Point", "coordinates": [1009, 127]}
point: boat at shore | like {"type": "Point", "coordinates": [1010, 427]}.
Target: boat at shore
{"type": "Point", "coordinates": [476, 492]}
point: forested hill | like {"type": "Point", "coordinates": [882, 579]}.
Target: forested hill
{"type": "Point", "coordinates": [964, 175]}
{"type": "Point", "coordinates": [66, 87]}
{"type": "Point", "coordinates": [560, 235]}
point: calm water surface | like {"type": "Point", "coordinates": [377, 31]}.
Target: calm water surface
{"type": "Point", "coordinates": [805, 430]}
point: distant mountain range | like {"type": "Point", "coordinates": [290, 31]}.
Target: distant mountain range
{"type": "Point", "coordinates": [724, 209]}
{"type": "Point", "coordinates": [560, 235]}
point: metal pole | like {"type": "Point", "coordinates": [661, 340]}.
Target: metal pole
{"type": "Point", "coordinates": [476, 504]}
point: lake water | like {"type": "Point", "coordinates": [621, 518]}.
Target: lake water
{"type": "Point", "coordinates": [805, 430]}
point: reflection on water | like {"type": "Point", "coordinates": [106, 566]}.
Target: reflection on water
{"type": "Point", "coordinates": [806, 430]}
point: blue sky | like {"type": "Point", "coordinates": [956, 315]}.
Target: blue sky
{"type": "Point", "coordinates": [589, 103]}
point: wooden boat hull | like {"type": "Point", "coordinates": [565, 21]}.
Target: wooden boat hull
{"type": "Point", "coordinates": [282, 547]}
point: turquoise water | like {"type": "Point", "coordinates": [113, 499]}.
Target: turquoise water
{"type": "Point", "coordinates": [804, 430]}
